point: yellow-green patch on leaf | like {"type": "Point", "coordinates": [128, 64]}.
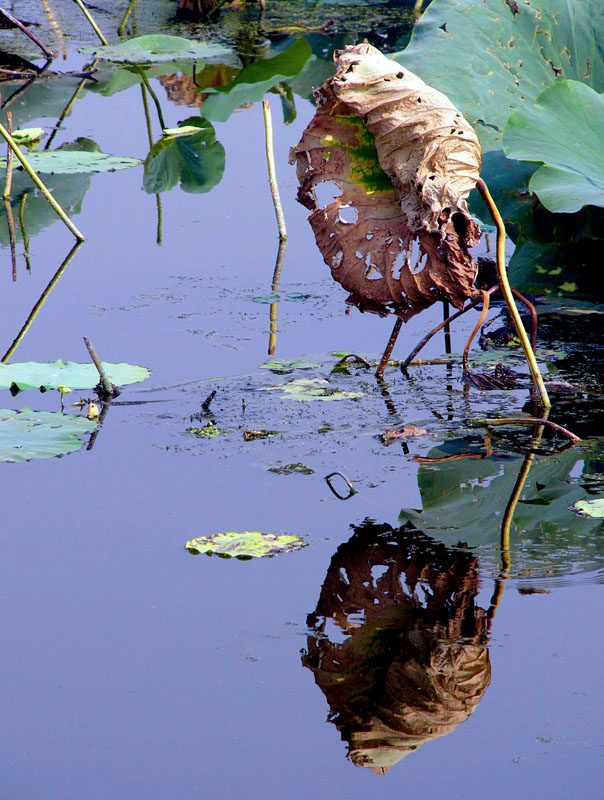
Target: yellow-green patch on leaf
{"type": "Point", "coordinates": [245, 545]}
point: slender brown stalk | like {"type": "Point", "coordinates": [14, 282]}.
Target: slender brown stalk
{"type": "Point", "coordinates": [389, 347]}
{"type": "Point", "coordinates": [533, 314]}
{"type": "Point", "coordinates": [8, 185]}
{"type": "Point", "coordinates": [18, 24]}
{"type": "Point", "coordinates": [91, 21]}
{"type": "Point", "coordinates": [272, 174]}
{"type": "Point", "coordinates": [508, 297]}
{"type": "Point", "coordinates": [447, 327]}
{"type": "Point", "coordinates": [477, 327]}
{"type": "Point", "coordinates": [110, 389]}
{"type": "Point", "coordinates": [420, 346]}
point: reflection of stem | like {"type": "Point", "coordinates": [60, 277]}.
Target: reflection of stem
{"type": "Point", "coordinates": [272, 339]}
{"type": "Point", "coordinates": [530, 421]}
{"type": "Point", "coordinates": [99, 424]}
{"type": "Point", "coordinates": [93, 24]}
{"type": "Point", "coordinates": [126, 17]}
{"type": "Point", "coordinates": [8, 185]}
{"type": "Point", "coordinates": [488, 451]}
{"type": "Point", "coordinates": [446, 315]}
{"type": "Point", "coordinates": [495, 599]}
{"type": "Point", "coordinates": [272, 174]}
{"type": "Point", "coordinates": [507, 295]}
{"type": "Point", "coordinates": [43, 297]}
{"type": "Point", "coordinates": [150, 137]}
{"type": "Point", "coordinates": [387, 397]}
{"type": "Point", "coordinates": [18, 24]}
{"type": "Point", "coordinates": [24, 235]}
{"type": "Point", "coordinates": [389, 347]}
{"type": "Point", "coordinates": [441, 325]}
{"type": "Point", "coordinates": [477, 327]}
{"type": "Point", "coordinates": [24, 87]}
{"type": "Point", "coordinates": [12, 236]}
{"type": "Point", "coordinates": [32, 174]}
{"type": "Point", "coordinates": [69, 105]}
{"type": "Point", "coordinates": [145, 80]}
{"type": "Point", "coordinates": [54, 24]}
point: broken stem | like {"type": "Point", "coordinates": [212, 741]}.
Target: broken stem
{"type": "Point", "coordinates": [389, 348]}
{"type": "Point", "coordinates": [93, 24]}
{"type": "Point", "coordinates": [441, 325]}
{"type": "Point", "coordinates": [508, 297]}
{"type": "Point", "coordinates": [18, 24]}
{"type": "Point", "coordinates": [33, 175]}
{"type": "Point", "coordinates": [272, 175]}
{"type": "Point", "coordinates": [110, 389]}
{"type": "Point", "coordinates": [483, 315]}
{"type": "Point", "coordinates": [530, 421]}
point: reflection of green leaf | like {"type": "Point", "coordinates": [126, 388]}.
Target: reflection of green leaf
{"type": "Point", "coordinates": [590, 508]}
{"type": "Point", "coordinates": [34, 375]}
{"type": "Point", "coordinates": [282, 365]}
{"type": "Point", "coordinates": [245, 545]}
{"type": "Point", "coordinates": [305, 390]}
{"type": "Point", "coordinates": [573, 171]}
{"type": "Point", "coordinates": [252, 83]}
{"type": "Point", "coordinates": [156, 47]}
{"type": "Point", "coordinates": [196, 160]}
{"type": "Point", "coordinates": [28, 135]}
{"type": "Point", "coordinates": [465, 500]}
{"type": "Point", "coordinates": [292, 469]}
{"type": "Point", "coordinates": [70, 162]}
{"type": "Point", "coordinates": [27, 434]}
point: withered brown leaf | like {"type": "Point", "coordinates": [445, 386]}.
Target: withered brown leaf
{"type": "Point", "coordinates": [404, 160]}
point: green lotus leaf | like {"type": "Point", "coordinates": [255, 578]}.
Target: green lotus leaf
{"type": "Point", "coordinates": [156, 47]}
{"type": "Point", "coordinates": [283, 366]}
{"type": "Point", "coordinates": [71, 162]}
{"type": "Point", "coordinates": [306, 390]}
{"type": "Point", "coordinates": [37, 375]}
{"type": "Point", "coordinates": [252, 83]}
{"type": "Point", "coordinates": [26, 434]}
{"type": "Point", "coordinates": [195, 159]}
{"type": "Point", "coordinates": [245, 545]}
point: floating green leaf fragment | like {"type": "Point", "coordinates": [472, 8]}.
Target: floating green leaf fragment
{"type": "Point", "coordinates": [28, 135]}
{"type": "Point", "coordinates": [27, 434]}
{"type": "Point", "coordinates": [38, 375]}
{"type": "Point", "coordinates": [267, 298]}
{"type": "Point", "coordinates": [208, 431]}
{"type": "Point", "coordinates": [590, 508]}
{"type": "Point", "coordinates": [305, 390]}
{"type": "Point", "coordinates": [72, 162]}
{"type": "Point", "coordinates": [245, 545]}
{"type": "Point", "coordinates": [292, 469]}
{"type": "Point", "coordinates": [251, 436]}
{"type": "Point", "coordinates": [184, 130]}
{"type": "Point", "coordinates": [156, 47]}
{"type": "Point", "coordinates": [283, 366]}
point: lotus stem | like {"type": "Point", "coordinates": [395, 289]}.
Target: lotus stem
{"type": "Point", "coordinates": [33, 175]}
{"type": "Point", "coordinates": [272, 175]}
{"type": "Point", "coordinates": [126, 17]}
{"type": "Point", "coordinates": [389, 348]}
{"type": "Point", "coordinates": [8, 185]}
{"type": "Point", "coordinates": [24, 234]}
{"type": "Point", "coordinates": [273, 322]}
{"type": "Point", "coordinates": [93, 24]}
{"type": "Point", "coordinates": [18, 24]}
{"type": "Point", "coordinates": [110, 389]}
{"type": "Point", "coordinates": [447, 327]}
{"type": "Point", "coordinates": [12, 236]}
{"type": "Point", "coordinates": [483, 315]}
{"type": "Point", "coordinates": [530, 421]}
{"type": "Point", "coordinates": [508, 297]}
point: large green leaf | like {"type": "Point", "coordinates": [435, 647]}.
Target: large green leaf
{"type": "Point", "coordinates": [245, 545]}
{"type": "Point", "coordinates": [464, 500]}
{"type": "Point", "coordinates": [562, 129]}
{"type": "Point", "coordinates": [252, 83]}
{"type": "Point", "coordinates": [491, 56]}
{"type": "Point", "coordinates": [27, 434]}
{"type": "Point", "coordinates": [156, 47]}
{"type": "Point", "coordinates": [196, 160]}
{"type": "Point", "coordinates": [71, 162]}
{"type": "Point", "coordinates": [37, 375]}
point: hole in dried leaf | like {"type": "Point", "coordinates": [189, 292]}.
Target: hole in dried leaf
{"type": "Point", "coordinates": [398, 265]}
{"type": "Point", "coordinates": [348, 214]}
{"type": "Point", "coordinates": [372, 274]}
{"type": "Point", "coordinates": [337, 259]}
{"type": "Point", "coordinates": [325, 193]}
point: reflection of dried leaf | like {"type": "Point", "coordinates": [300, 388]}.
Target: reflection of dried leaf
{"type": "Point", "coordinates": [405, 161]}
{"type": "Point", "coordinates": [402, 433]}
{"type": "Point", "coordinates": [184, 90]}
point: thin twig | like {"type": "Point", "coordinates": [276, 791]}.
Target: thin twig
{"type": "Point", "coordinates": [530, 421]}
{"type": "Point", "coordinates": [35, 178]}
{"type": "Point", "coordinates": [351, 490]}
{"type": "Point", "coordinates": [483, 315]}
{"type": "Point", "coordinates": [18, 24]}
{"type": "Point", "coordinates": [8, 185]}
{"type": "Point", "coordinates": [508, 297]}
{"type": "Point", "coordinates": [110, 389]}
{"type": "Point", "coordinates": [441, 325]}
{"type": "Point", "coordinates": [43, 297]}
{"type": "Point", "coordinates": [93, 24]}
{"type": "Point", "coordinates": [272, 175]}
{"type": "Point", "coordinates": [389, 348]}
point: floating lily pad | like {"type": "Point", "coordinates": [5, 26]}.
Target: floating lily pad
{"type": "Point", "coordinates": [28, 135]}
{"type": "Point", "coordinates": [283, 366]}
{"type": "Point", "coordinates": [245, 545]}
{"type": "Point", "coordinates": [27, 434]}
{"type": "Point", "coordinates": [156, 47]}
{"type": "Point", "coordinates": [590, 508]}
{"type": "Point", "coordinates": [37, 375]}
{"type": "Point", "coordinates": [191, 155]}
{"type": "Point", "coordinates": [292, 469]}
{"type": "Point", "coordinates": [71, 162]}
{"type": "Point", "coordinates": [305, 390]}
{"type": "Point", "coordinates": [208, 431]}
